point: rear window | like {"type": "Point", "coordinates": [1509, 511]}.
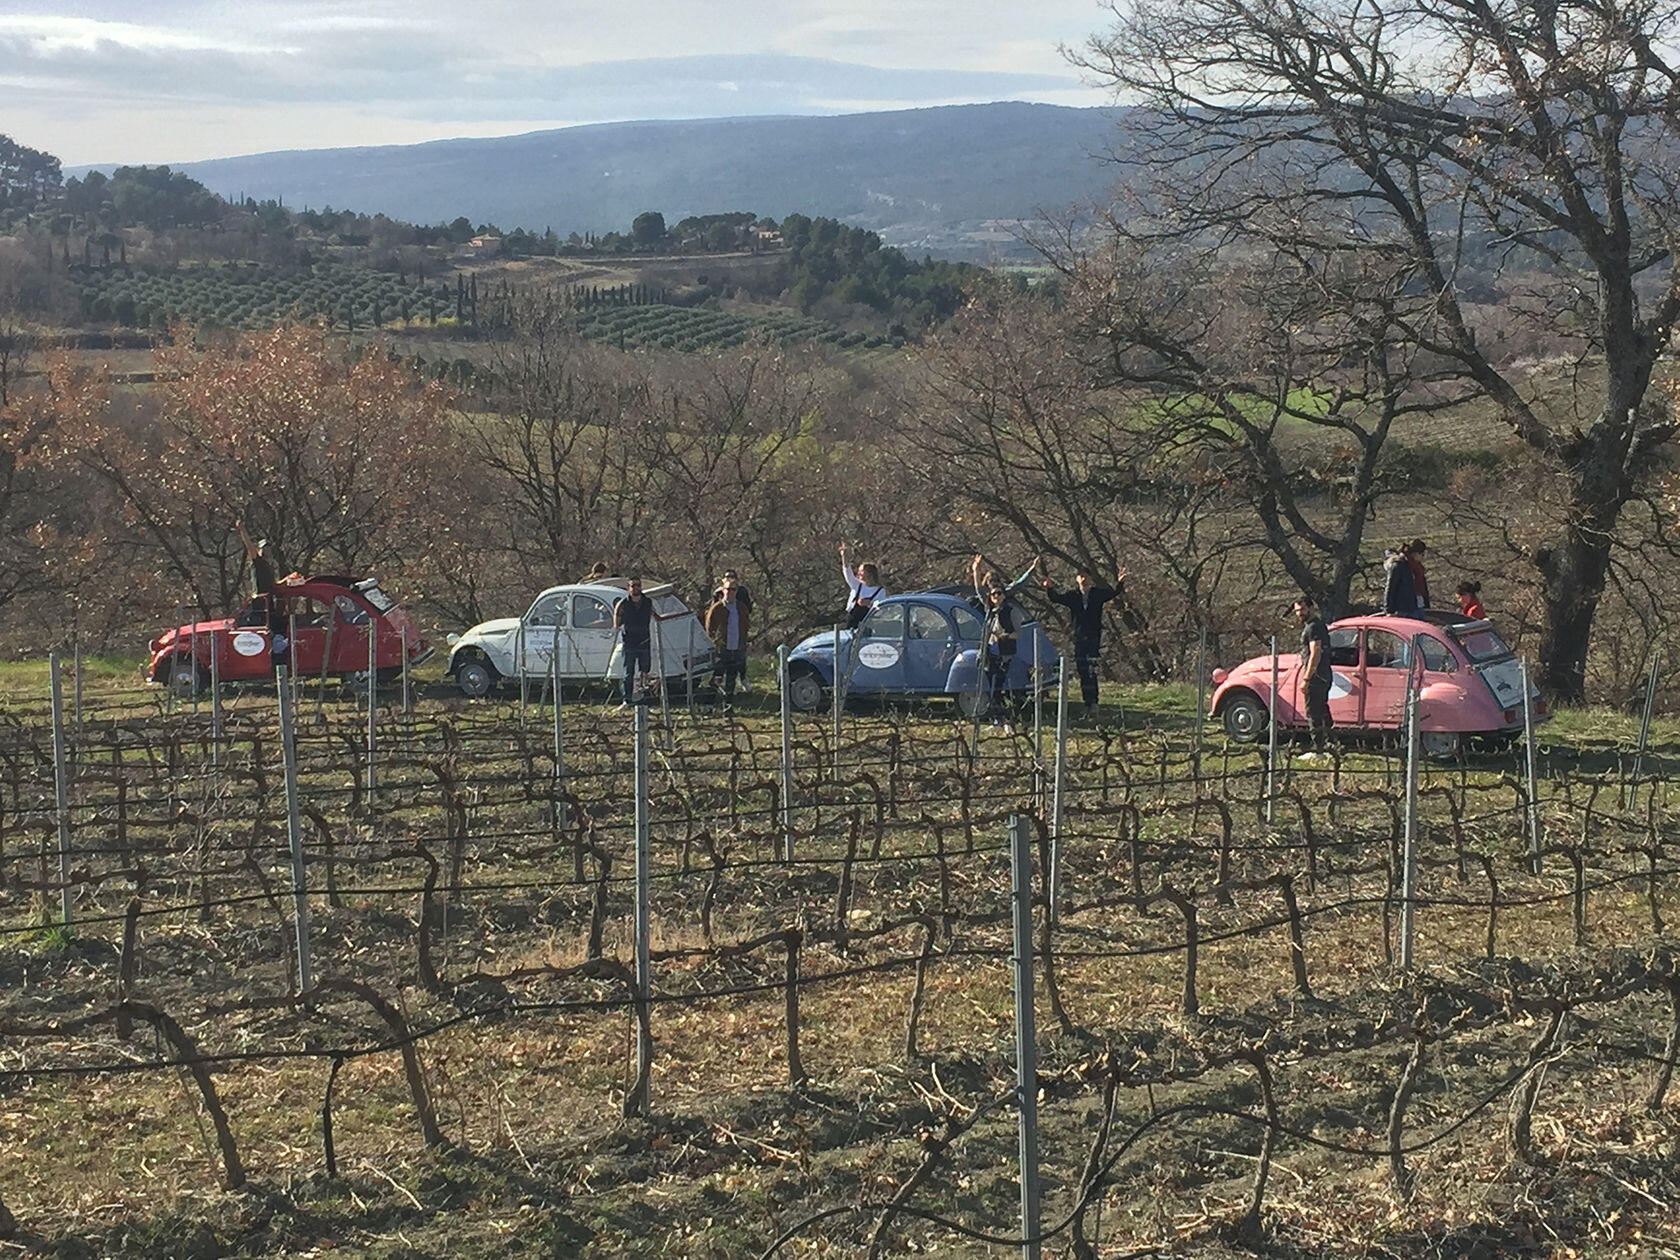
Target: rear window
{"type": "Point", "coordinates": [1482, 644]}
{"type": "Point", "coordinates": [369, 590]}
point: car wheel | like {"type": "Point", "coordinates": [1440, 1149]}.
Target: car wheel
{"type": "Point", "coordinates": [187, 678]}
{"type": "Point", "coordinates": [805, 691]}
{"type": "Point", "coordinates": [475, 677]}
{"type": "Point", "coordinates": [972, 704]}
{"type": "Point", "coordinates": [1245, 717]}
{"type": "Point", "coordinates": [1441, 745]}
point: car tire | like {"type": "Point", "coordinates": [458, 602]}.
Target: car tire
{"type": "Point", "coordinates": [1441, 745]}
{"type": "Point", "coordinates": [972, 704]}
{"type": "Point", "coordinates": [1245, 717]}
{"type": "Point", "coordinates": [185, 677]}
{"type": "Point", "coordinates": [475, 677]}
{"type": "Point", "coordinates": [805, 691]}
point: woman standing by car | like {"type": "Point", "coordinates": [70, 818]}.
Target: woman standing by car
{"type": "Point", "coordinates": [863, 587]}
{"type": "Point", "coordinates": [1002, 634]}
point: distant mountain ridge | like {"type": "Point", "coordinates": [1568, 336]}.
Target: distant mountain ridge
{"type": "Point", "coordinates": [936, 179]}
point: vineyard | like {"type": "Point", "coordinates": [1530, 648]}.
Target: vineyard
{"type": "Point", "coordinates": [688, 329]}
{"type": "Point", "coordinates": [425, 978]}
{"type": "Point", "coordinates": [252, 297]}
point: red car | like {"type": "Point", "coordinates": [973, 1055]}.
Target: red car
{"type": "Point", "coordinates": [332, 616]}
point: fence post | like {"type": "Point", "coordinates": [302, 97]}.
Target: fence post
{"type": "Point", "coordinates": [1038, 726]}
{"type": "Point", "coordinates": [1630, 796]}
{"type": "Point", "coordinates": [636, 1103]}
{"type": "Point", "coordinates": [787, 752]}
{"type": "Point", "coordinates": [192, 650]}
{"type": "Point", "coordinates": [523, 665]}
{"type": "Point", "coordinates": [559, 708]}
{"type": "Point", "coordinates": [402, 644]}
{"type": "Point", "coordinates": [1201, 708]}
{"type": "Point", "coordinates": [1535, 860]}
{"type": "Point", "coordinates": [294, 830]}
{"type": "Point", "coordinates": [1408, 852]}
{"type": "Point", "coordinates": [659, 668]}
{"type": "Point", "coordinates": [215, 702]}
{"type": "Point", "coordinates": [291, 656]}
{"type": "Point", "coordinates": [1055, 906]}
{"type": "Point", "coordinates": [688, 670]}
{"type": "Point", "coordinates": [373, 708]}
{"type": "Point", "coordinates": [169, 676]}
{"type": "Point", "coordinates": [839, 690]}
{"type": "Point", "coordinates": [61, 793]}
{"type": "Point", "coordinates": [1026, 1048]}
{"type": "Point", "coordinates": [1272, 738]}
{"type": "Point", "coordinates": [77, 711]}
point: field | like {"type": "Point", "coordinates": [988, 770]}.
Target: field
{"type": "Point", "coordinates": [687, 329]}
{"type": "Point", "coordinates": [250, 296]}
{"type": "Point", "coordinates": [1230, 1057]}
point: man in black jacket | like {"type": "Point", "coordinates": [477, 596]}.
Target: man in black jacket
{"type": "Point", "coordinates": [1085, 605]}
{"type": "Point", "coordinates": [633, 619]}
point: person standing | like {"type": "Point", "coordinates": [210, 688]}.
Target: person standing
{"type": "Point", "coordinates": [1315, 671]}
{"type": "Point", "coordinates": [726, 626]}
{"type": "Point", "coordinates": [633, 619]}
{"type": "Point", "coordinates": [1399, 586]}
{"type": "Point", "coordinates": [1001, 636]}
{"type": "Point", "coordinates": [864, 587]}
{"type": "Point", "coordinates": [744, 597]}
{"type": "Point", "coordinates": [263, 578]}
{"type": "Point", "coordinates": [264, 586]}
{"type": "Point", "coordinates": [1085, 605]}
{"type": "Point", "coordinates": [1414, 552]}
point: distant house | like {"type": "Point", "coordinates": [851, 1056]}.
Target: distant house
{"type": "Point", "coordinates": [766, 238]}
{"type": "Point", "coordinates": [482, 246]}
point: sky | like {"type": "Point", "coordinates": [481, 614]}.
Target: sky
{"type": "Point", "coordinates": [180, 80]}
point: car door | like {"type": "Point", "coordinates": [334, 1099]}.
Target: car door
{"type": "Point", "coordinates": [1347, 684]}
{"type": "Point", "coordinates": [592, 637]}
{"type": "Point", "coordinates": [243, 647]}
{"type": "Point", "coordinates": [348, 645]}
{"type": "Point", "coordinates": [546, 627]}
{"type": "Point", "coordinates": [1388, 659]}
{"type": "Point", "coordinates": [306, 620]}
{"type": "Point", "coordinates": [877, 658]}
{"type": "Point", "coordinates": [930, 646]}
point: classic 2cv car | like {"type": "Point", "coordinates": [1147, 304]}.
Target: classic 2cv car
{"type": "Point", "coordinates": [574, 625]}
{"type": "Point", "coordinates": [921, 644]}
{"type": "Point", "coordinates": [329, 618]}
{"type": "Point", "coordinates": [1470, 683]}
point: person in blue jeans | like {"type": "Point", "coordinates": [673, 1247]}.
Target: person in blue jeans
{"type": "Point", "coordinates": [633, 619]}
{"type": "Point", "coordinates": [1085, 604]}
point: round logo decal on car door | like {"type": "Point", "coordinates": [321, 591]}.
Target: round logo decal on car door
{"type": "Point", "coordinates": [878, 655]}
{"type": "Point", "coordinates": [1340, 685]}
{"type": "Point", "coordinates": [249, 643]}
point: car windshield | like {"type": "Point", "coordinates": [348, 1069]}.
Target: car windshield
{"type": "Point", "coordinates": [370, 591]}
{"type": "Point", "coordinates": [968, 623]}
{"type": "Point", "coordinates": [668, 606]}
{"type": "Point", "coordinates": [1481, 644]}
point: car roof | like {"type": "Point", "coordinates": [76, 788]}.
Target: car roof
{"type": "Point", "coordinates": [1405, 627]}
{"type": "Point", "coordinates": [611, 588]}
{"type": "Point", "coordinates": [940, 597]}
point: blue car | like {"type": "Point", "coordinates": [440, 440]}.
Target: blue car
{"type": "Point", "coordinates": [921, 644]}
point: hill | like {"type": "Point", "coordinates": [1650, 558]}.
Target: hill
{"type": "Point", "coordinates": [925, 179]}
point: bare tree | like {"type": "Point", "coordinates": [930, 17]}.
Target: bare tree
{"type": "Point", "coordinates": [1530, 146]}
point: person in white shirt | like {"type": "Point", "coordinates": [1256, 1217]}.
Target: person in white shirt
{"type": "Point", "coordinates": [864, 587]}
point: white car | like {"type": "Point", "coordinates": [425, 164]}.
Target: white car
{"type": "Point", "coordinates": [575, 624]}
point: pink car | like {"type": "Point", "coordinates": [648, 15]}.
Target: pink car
{"type": "Point", "coordinates": [1471, 683]}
